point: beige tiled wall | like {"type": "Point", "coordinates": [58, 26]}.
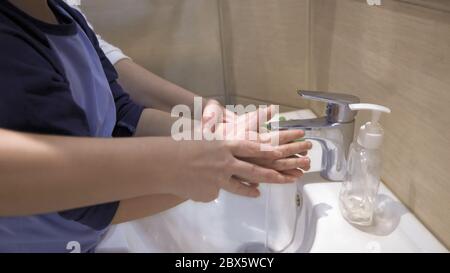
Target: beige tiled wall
{"type": "Point", "coordinates": [266, 49]}
{"type": "Point", "coordinates": [251, 49]}
{"type": "Point", "coordinates": [259, 102]}
{"type": "Point", "coordinates": [176, 39]}
{"type": "Point", "coordinates": [397, 55]}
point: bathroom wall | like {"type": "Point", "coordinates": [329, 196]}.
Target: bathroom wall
{"type": "Point", "coordinates": [397, 55]}
{"type": "Point", "coordinates": [249, 51]}
{"type": "Point", "coordinates": [176, 39]}
{"type": "Point", "coordinates": [265, 50]}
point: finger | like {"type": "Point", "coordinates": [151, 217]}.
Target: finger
{"type": "Point", "coordinates": [252, 121]}
{"type": "Point", "coordinates": [247, 121]}
{"type": "Point", "coordinates": [257, 174]}
{"type": "Point", "coordinates": [238, 187]}
{"type": "Point", "coordinates": [291, 149]}
{"type": "Point", "coordinates": [290, 136]}
{"type": "Point", "coordinates": [291, 163]}
{"type": "Point", "coordinates": [294, 173]}
{"type": "Point", "coordinates": [250, 149]}
{"type": "Point", "coordinates": [307, 165]}
{"type": "Point", "coordinates": [250, 184]}
{"type": "Point", "coordinates": [264, 114]}
{"type": "Point", "coordinates": [281, 137]}
{"type": "Point", "coordinates": [307, 159]}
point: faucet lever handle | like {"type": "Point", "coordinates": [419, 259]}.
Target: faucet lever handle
{"type": "Point", "coordinates": [337, 104]}
{"type": "Point", "coordinates": [328, 97]}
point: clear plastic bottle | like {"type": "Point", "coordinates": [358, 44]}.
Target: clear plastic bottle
{"type": "Point", "coordinates": [359, 191]}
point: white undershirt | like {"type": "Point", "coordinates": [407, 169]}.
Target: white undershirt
{"type": "Point", "coordinates": [113, 53]}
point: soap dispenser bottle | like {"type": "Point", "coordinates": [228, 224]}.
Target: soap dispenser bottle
{"type": "Point", "coordinates": [359, 191]}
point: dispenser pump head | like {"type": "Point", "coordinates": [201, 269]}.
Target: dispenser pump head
{"type": "Point", "coordinates": [371, 134]}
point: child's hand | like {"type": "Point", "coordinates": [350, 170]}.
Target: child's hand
{"type": "Point", "coordinates": [214, 112]}
{"type": "Point", "coordinates": [233, 127]}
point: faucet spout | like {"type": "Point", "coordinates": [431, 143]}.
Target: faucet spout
{"type": "Point", "coordinates": [334, 132]}
{"type": "Point", "coordinates": [334, 138]}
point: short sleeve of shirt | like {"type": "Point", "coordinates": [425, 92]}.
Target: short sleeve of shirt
{"type": "Point", "coordinates": [128, 112]}
{"type": "Point", "coordinates": [97, 217]}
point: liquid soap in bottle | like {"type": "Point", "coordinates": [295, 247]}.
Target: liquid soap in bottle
{"type": "Point", "coordinates": [359, 191]}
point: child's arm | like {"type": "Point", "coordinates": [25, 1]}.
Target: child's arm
{"type": "Point", "coordinates": [141, 207]}
{"type": "Point", "coordinates": [151, 90]}
{"type": "Point", "coordinates": [154, 122]}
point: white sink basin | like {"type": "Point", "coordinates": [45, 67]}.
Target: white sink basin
{"type": "Point", "coordinates": [229, 224]}
{"type": "Point", "coordinates": [237, 224]}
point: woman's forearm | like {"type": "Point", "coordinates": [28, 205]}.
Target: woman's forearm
{"type": "Point", "coordinates": [151, 90]}
{"type": "Point", "coordinates": [42, 174]}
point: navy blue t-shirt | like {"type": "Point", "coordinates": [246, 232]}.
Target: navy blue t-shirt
{"type": "Point", "coordinates": [54, 79]}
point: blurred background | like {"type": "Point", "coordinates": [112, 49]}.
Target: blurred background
{"type": "Point", "coordinates": [262, 51]}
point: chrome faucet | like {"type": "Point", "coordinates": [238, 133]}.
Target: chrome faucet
{"type": "Point", "coordinates": [334, 131]}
